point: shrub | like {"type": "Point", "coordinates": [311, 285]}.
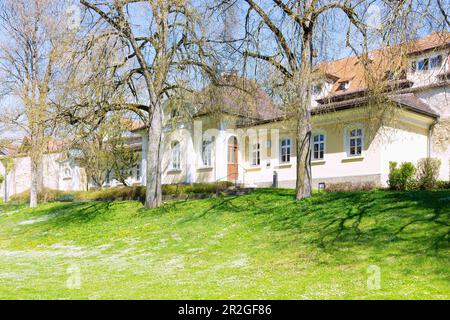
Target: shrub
{"type": "Point", "coordinates": [121, 193]}
{"type": "Point", "coordinates": [349, 186]}
{"type": "Point", "coordinates": [2, 178]}
{"type": "Point", "coordinates": [443, 184]}
{"type": "Point", "coordinates": [401, 178]}
{"type": "Point", "coordinates": [46, 195]}
{"type": "Point", "coordinates": [111, 194]}
{"type": "Point", "coordinates": [427, 173]}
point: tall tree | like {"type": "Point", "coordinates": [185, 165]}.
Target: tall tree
{"type": "Point", "coordinates": [289, 35]}
{"type": "Point", "coordinates": [34, 40]}
{"type": "Point", "coordinates": [161, 37]}
{"type": "Point", "coordinates": [292, 25]}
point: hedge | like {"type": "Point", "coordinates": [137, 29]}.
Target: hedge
{"type": "Point", "coordinates": [123, 193]}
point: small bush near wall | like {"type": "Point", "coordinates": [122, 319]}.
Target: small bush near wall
{"type": "Point", "coordinates": [46, 195]}
{"type": "Point", "coordinates": [427, 173]}
{"type": "Point", "coordinates": [122, 193]}
{"type": "Point", "coordinates": [401, 178]}
{"type": "Point", "coordinates": [349, 186]}
{"type": "Point", "coordinates": [442, 184]}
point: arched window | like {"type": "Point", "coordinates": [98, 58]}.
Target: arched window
{"type": "Point", "coordinates": [207, 152]}
{"type": "Point", "coordinates": [318, 146]}
{"type": "Point", "coordinates": [355, 138]}
{"type": "Point", "coordinates": [175, 155]}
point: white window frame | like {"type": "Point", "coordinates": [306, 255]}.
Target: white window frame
{"type": "Point", "coordinates": [207, 145]}
{"type": "Point", "coordinates": [255, 154]}
{"type": "Point", "coordinates": [175, 155]}
{"type": "Point", "coordinates": [137, 171]}
{"type": "Point", "coordinates": [349, 139]}
{"type": "Point", "coordinates": [318, 143]}
{"type": "Point", "coordinates": [435, 57]}
{"type": "Point", "coordinates": [287, 148]}
{"type": "Point", "coordinates": [344, 85]}
{"type": "Point", "coordinates": [422, 61]}
{"type": "Point", "coordinates": [317, 89]}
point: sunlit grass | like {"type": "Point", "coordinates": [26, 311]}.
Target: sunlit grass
{"type": "Point", "coordinates": [263, 245]}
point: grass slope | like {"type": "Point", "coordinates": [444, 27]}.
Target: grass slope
{"type": "Point", "coordinates": [259, 246]}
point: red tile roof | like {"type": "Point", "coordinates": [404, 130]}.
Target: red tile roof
{"type": "Point", "coordinates": [382, 60]}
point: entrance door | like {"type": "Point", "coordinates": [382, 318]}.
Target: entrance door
{"type": "Point", "coordinates": [232, 159]}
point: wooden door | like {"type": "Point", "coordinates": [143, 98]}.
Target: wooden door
{"type": "Point", "coordinates": [232, 159]}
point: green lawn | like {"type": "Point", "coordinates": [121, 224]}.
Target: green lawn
{"type": "Point", "coordinates": [260, 246]}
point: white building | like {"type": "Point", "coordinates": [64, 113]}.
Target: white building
{"type": "Point", "coordinates": [247, 139]}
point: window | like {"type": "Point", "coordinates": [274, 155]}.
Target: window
{"type": "Point", "coordinates": [232, 151]}
{"type": "Point", "coordinates": [66, 171]}
{"type": "Point", "coordinates": [138, 171]}
{"type": "Point", "coordinates": [174, 113]}
{"type": "Point", "coordinates": [318, 146]}
{"type": "Point", "coordinates": [423, 64]}
{"type": "Point", "coordinates": [344, 85]}
{"type": "Point", "coordinates": [108, 177]}
{"type": "Point", "coordinates": [413, 66]}
{"type": "Point", "coordinates": [285, 150]}
{"type": "Point", "coordinates": [207, 153]}
{"type": "Point", "coordinates": [317, 89]}
{"type": "Point", "coordinates": [355, 141]}
{"type": "Point", "coordinates": [176, 156]}
{"type": "Point", "coordinates": [256, 154]}
{"type": "Point", "coordinates": [436, 62]}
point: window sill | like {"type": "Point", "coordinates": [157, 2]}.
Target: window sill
{"type": "Point", "coordinates": [253, 168]}
{"type": "Point", "coordinates": [352, 159]}
{"type": "Point", "coordinates": [318, 162]}
{"type": "Point", "coordinates": [174, 171]}
{"type": "Point", "coordinates": [205, 169]}
{"type": "Point", "coordinates": [284, 165]}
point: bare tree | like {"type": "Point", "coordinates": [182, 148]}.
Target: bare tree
{"type": "Point", "coordinates": [292, 26]}
{"type": "Point", "coordinates": [33, 45]}
{"type": "Point", "coordinates": [161, 43]}
{"type": "Point", "coordinates": [103, 150]}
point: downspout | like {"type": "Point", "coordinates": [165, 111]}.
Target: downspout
{"type": "Point", "coordinates": [6, 185]}
{"type": "Point", "coordinates": [430, 130]}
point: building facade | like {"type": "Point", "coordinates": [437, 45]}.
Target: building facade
{"type": "Point", "coordinates": [253, 144]}
{"type": "Point", "coordinates": [239, 134]}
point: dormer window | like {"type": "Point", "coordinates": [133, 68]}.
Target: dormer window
{"type": "Point", "coordinates": [317, 89]}
{"type": "Point", "coordinates": [423, 64]}
{"type": "Point", "coordinates": [390, 75]}
{"type": "Point", "coordinates": [344, 85]}
{"type": "Point", "coordinates": [395, 75]}
{"type": "Point", "coordinates": [436, 62]}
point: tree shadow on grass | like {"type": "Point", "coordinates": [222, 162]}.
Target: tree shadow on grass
{"type": "Point", "coordinates": [417, 221]}
{"type": "Point", "coordinates": [76, 213]}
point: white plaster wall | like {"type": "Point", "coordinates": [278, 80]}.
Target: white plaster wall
{"type": "Point", "coordinates": [404, 143]}
{"type": "Point", "coordinates": [185, 174]}
{"type": "Point", "coordinates": [438, 99]}
{"type": "Point", "coordinates": [53, 175]}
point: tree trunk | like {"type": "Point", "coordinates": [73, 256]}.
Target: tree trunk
{"type": "Point", "coordinates": [153, 196]}
{"type": "Point", "coordinates": [34, 188]}
{"type": "Point", "coordinates": [304, 81]}
{"type": "Point", "coordinates": [40, 175]}
{"type": "Point", "coordinates": [304, 176]}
